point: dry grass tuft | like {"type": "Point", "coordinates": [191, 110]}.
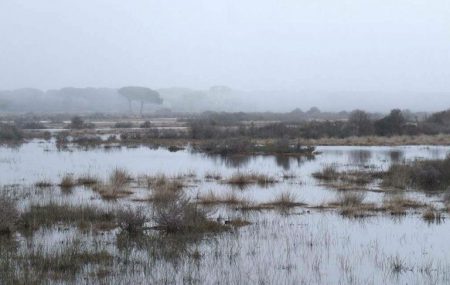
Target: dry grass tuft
{"type": "Point", "coordinates": [87, 180]}
{"type": "Point", "coordinates": [432, 216]}
{"type": "Point", "coordinates": [67, 182]}
{"type": "Point", "coordinates": [397, 204]}
{"type": "Point", "coordinates": [243, 179]}
{"type": "Point", "coordinates": [212, 199]}
{"type": "Point", "coordinates": [285, 200]}
{"type": "Point", "coordinates": [329, 172]}
{"type": "Point", "coordinates": [117, 186]}
{"type": "Point", "coordinates": [43, 184]}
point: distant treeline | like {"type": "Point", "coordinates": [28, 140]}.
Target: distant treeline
{"type": "Point", "coordinates": [109, 100]}
{"type": "Point", "coordinates": [289, 125]}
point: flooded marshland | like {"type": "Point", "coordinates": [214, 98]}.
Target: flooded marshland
{"type": "Point", "coordinates": [299, 239]}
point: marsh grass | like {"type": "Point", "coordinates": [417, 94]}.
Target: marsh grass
{"type": "Point", "coordinates": [238, 222]}
{"type": "Point", "coordinates": [67, 182]}
{"type": "Point", "coordinates": [352, 204]}
{"type": "Point", "coordinates": [346, 180]}
{"type": "Point", "coordinates": [351, 199]}
{"type": "Point", "coordinates": [397, 204]}
{"type": "Point", "coordinates": [427, 175]}
{"type": "Point", "coordinates": [329, 172]}
{"type": "Point", "coordinates": [116, 187]}
{"type": "Point", "coordinates": [132, 221]}
{"type": "Point", "coordinates": [38, 266]}
{"type": "Point", "coordinates": [87, 180]}
{"type": "Point", "coordinates": [212, 199]}
{"type": "Point", "coordinates": [38, 216]}
{"type": "Point", "coordinates": [240, 179]}
{"type": "Point", "coordinates": [431, 215]}
{"type": "Point", "coordinates": [43, 184]}
{"type": "Point", "coordinates": [285, 200]}
{"type": "Point", "coordinates": [164, 188]}
{"type": "Point", "coordinates": [9, 215]}
{"type": "Point", "coordinates": [179, 215]}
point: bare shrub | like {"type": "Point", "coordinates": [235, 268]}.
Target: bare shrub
{"type": "Point", "coordinates": [119, 178]}
{"type": "Point", "coordinates": [131, 221]}
{"type": "Point", "coordinates": [8, 215]}
{"type": "Point", "coordinates": [178, 215]}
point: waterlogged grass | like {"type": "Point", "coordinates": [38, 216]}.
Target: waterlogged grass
{"type": "Point", "coordinates": [177, 229]}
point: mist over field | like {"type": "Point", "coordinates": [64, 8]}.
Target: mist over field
{"type": "Point", "coordinates": [272, 56]}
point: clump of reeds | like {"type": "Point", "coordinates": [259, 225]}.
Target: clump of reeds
{"type": "Point", "coordinates": [47, 215]}
{"type": "Point", "coordinates": [329, 172]}
{"type": "Point", "coordinates": [116, 186]}
{"type": "Point", "coordinates": [67, 182]}
{"type": "Point", "coordinates": [244, 179]}
{"type": "Point", "coordinates": [211, 198]}
{"type": "Point", "coordinates": [87, 180]}
{"type": "Point", "coordinates": [285, 200]}
{"type": "Point", "coordinates": [432, 216]}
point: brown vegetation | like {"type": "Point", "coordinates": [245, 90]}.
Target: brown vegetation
{"type": "Point", "coordinates": [8, 215]}
{"type": "Point", "coordinates": [243, 179]}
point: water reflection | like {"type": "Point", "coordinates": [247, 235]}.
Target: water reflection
{"type": "Point", "coordinates": [283, 162]}
{"type": "Point", "coordinates": [359, 157]}
{"type": "Point", "coordinates": [233, 161]}
{"type": "Point", "coordinates": [396, 156]}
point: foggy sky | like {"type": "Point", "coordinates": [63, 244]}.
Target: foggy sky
{"type": "Point", "coordinates": [398, 47]}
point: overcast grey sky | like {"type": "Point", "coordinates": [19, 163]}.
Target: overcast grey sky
{"type": "Point", "coordinates": [354, 45]}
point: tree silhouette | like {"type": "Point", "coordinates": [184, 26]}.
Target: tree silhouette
{"type": "Point", "coordinates": [140, 94]}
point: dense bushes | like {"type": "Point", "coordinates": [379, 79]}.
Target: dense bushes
{"type": "Point", "coordinates": [358, 123]}
{"type": "Point", "coordinates": [422, 174]}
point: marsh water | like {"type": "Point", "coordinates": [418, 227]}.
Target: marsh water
{"type": "Point", "coordinates": [304, 246]}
